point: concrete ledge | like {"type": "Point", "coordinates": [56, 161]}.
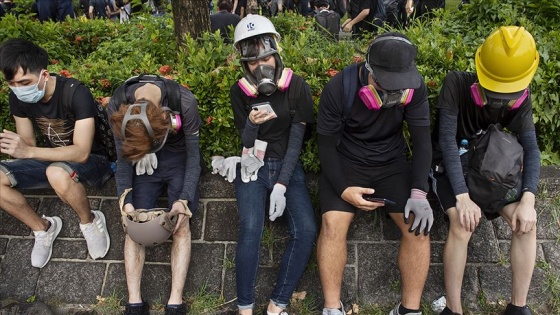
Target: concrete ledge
{"type": "Point", "coordinates": [73, 278]}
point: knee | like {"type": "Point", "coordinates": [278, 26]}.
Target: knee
{"type": "Point", "coordinates": [458, 233]}
{"type": "Point", "coordinates": [59, 178]}
{"type": "Point", "coordinates": [184, 230]}
{"type": "Point", "coordinates": [332, 230]}
{"type": "Point", "coordinates": [420, 239]}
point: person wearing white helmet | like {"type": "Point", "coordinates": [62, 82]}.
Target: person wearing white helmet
{"type": "Point", "coordinates": [272, 135]}
{"type": "Point", "coordinates": [498, 93]}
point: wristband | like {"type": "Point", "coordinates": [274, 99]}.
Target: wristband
{"type": "Point", "coordinates": [417, 194]}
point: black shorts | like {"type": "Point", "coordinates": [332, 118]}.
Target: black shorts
{"type": "Point", "coordinates": [391, 181]}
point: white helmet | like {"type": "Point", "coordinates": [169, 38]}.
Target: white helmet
{"type": "Point", "coordinates": [253, 25]}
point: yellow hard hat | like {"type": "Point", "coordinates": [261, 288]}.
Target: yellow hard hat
{"type": "Point", "coordinates": [507, 60]}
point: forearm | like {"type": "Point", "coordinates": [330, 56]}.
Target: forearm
{"type": "Point", "coordinates": [330, 163]}
{"type": "Point", "coordinates": [192, 169]}
{"type": "Point", "coordinates": [531, 161]}
{"type": "Point", "coordinates": [292, 153]}
{"type": "Point", "coordinates": [249, 134]}
{"type": "Point", "coordinates": [71, 153]}
{"type": "Point", "coordinates": [422, 157]}
{"type": "Point", "coordinates": [449, 150]}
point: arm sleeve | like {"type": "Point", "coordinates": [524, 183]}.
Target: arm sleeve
{"type": "Point", "coordinates": [330, 163]}
{"type": "Point", "coordinates": [192, 169]}
{"type": "Point", "coordinates": [449, 151]}
{"type": "Point", "coordinates": [531, 161]}
{"type": "Point", "coordinates": [422, 157]}
{"type": "Point", "coordinates": [249, 134]}
{"type": "Point", "coordinates": [292, 153]}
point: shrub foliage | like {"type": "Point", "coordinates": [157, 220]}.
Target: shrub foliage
{"type": "Point", "coordinates": [104, 54]}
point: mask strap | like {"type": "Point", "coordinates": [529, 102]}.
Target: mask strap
{"type": "Point", "coordinates": [141, 116]}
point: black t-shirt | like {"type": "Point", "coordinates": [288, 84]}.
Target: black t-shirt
{"type": "Point", "coordinates": [241, 4]}
{"type": "Point", "coordinates": [369, 137]}
{"type": "Point", "coordinates": [52, 119]}
{"type": "Point", "coordinates": [275, 132]}
{"type": "Point", "coordinates": [455, 97]}
{"type": "Point", "coordinates": [221, 21]}
{"type": "Point", "coordinates": [99, 8]}
{"type": "Point", "coordinates": [356, 7]}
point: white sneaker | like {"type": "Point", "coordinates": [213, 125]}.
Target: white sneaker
{"type": "Point", "coordinates": [42, 250]}
{"type": "Point", "coordinates": [339, 311]}
{"type": "Point", "coordinates": [395, 311]}
{"type": "Point", "coordinates": [96, 235]}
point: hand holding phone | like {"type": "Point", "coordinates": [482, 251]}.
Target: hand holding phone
{"type": "Point", "coordinates": [377, 199]}
{"type": "Point", "coordinates": [261, 113]}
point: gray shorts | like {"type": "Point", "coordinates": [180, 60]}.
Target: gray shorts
{"type": "Point", "coordinates": [31, 174]}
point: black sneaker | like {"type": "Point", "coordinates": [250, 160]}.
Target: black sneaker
{"type": "Point", "coordinates": [447, 311]}
{"type": "Point", "coordinates": [137, 309]}
{"type": "Point", "coordinates": [178, 309]}
{"type": "Point", "coordinates": [517, 310]}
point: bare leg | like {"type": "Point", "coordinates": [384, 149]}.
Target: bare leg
{"type": "Point", "coordinates": [523, 253]}
{"type": "Point", "coordinates": [332, 254]}
{"type": "Point", "coordinates": [454, 261]}
{"type": "Point", "coordinates": [180, 258]}
{"type": "Point", "coordinates": [71, 192]}
{"type": "Point", "coordinates": [134, 256]}
{"type": "Point", "coordinates": [414, 263]}
{"type": "Point", "coordinates": [15, 204]}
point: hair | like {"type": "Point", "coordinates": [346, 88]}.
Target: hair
{"type": "Point", "coordinates": [136, 142]}
{"type": "Point", "coordinates": [17, 52]}
{"type": "Point", "coordinates": [321, 3]}
{"type": "Point", "coordinates": [225, 5]}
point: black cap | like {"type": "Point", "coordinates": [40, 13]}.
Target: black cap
{"type": "Point", "coordinates": [391, 58]}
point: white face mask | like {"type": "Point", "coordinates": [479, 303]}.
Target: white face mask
{"type": "Point", "coordinates": [30, 93]}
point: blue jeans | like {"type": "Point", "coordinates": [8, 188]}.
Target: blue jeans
{"type": "Point", "coordinates": [31, 174]}
{"type": "Point", "coordinates": [252, 208]}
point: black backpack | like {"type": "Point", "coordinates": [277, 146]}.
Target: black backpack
{"type": "Point", "coordinates": [495, 169]}
{"type": "Point", "coordinates": [328, 22]}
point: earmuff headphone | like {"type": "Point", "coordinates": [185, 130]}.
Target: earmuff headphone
{"type": "Point", "coordinates": [369, 95]}
{"type": "Point", "coordinates": [479, 97]}
{"type": "Point", "coordinates": [174, 119]}
{"type": "Point", "coordinates": [250, 88]}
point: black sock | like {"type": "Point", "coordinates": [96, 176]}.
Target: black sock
{"type": "Point", "coordinates": [447, 311]}
{"type": "Point", "coordinates": [403, 310]}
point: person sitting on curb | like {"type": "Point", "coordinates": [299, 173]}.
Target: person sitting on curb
{"type": "Point", "coordinates": [362, 152]}
{"type": "Point", "coordinates": [156, 125]}
{"type": "Point", "coordinates": [498, 93]}
{"type": "Point", "coordinates": [73, 155]}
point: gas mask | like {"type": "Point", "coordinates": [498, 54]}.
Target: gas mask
{"type": "Point", "coordinates": [264, 75]}
{"type": "Point", "coordinates": [375, 100]}
{"type": "Point", "coordinates": [481, 98]}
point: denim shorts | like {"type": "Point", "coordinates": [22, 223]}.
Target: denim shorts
{"type": "Point", "coordinates": [391, 181]}
{"type": "Point", "coordinates": [31, 174]}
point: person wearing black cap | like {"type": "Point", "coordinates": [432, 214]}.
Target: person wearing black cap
{"type": "Point", "coordinates": [362, 151]}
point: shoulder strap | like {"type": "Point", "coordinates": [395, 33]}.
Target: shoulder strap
{"type": "Point", "coordinates": [350, 84]}
{"type": "Point", "coordinates": [294, 93]}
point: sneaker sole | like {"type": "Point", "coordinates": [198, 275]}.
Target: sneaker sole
{"type": "Point", "coordinates": [58, 223]}
{"type": "Point", "coordinates": [100, 215]}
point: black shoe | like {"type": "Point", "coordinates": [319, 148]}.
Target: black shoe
{"type": "Point", "coordinates": [517, 310]}
{"type": "Point", "coordinates": [137, 309]}
{"type": "Point", "coordinates": [179, 309]}
{"type": "Point", "coordinates": [447, 311]}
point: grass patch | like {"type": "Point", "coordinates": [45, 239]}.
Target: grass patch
{"type": "Point", "coordinates": [205, 302]}
{"type": "Point", "coordinates": [110, 305]}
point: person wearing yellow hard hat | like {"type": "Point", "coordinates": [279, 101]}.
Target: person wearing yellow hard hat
{"type": "Point", "coordinates": [468, 105]}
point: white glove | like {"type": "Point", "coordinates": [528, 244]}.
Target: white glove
{"type": "Point", "coordinates": [423, 214]}
{"type": "Point", "coordinates": [247, 158]}
{"type": "Point", "coordinates": [217, 164]}
{"type": "Point", "coordinates": [277, 202]}
{"type": "Point", "coordinates": [147, 164]}
{"type": "Point", "coordinates": [259, 151]}
{"type": "Point", "coordinates": [230, 168]}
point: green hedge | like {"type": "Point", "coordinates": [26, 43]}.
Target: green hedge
{"type": "Point", "coordinates": [103, 54]}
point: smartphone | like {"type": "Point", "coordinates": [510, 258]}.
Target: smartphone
{"type": "Point", "coordinates": [264, 106]}
{"type": "Point", "coordinates": [376, 199]}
